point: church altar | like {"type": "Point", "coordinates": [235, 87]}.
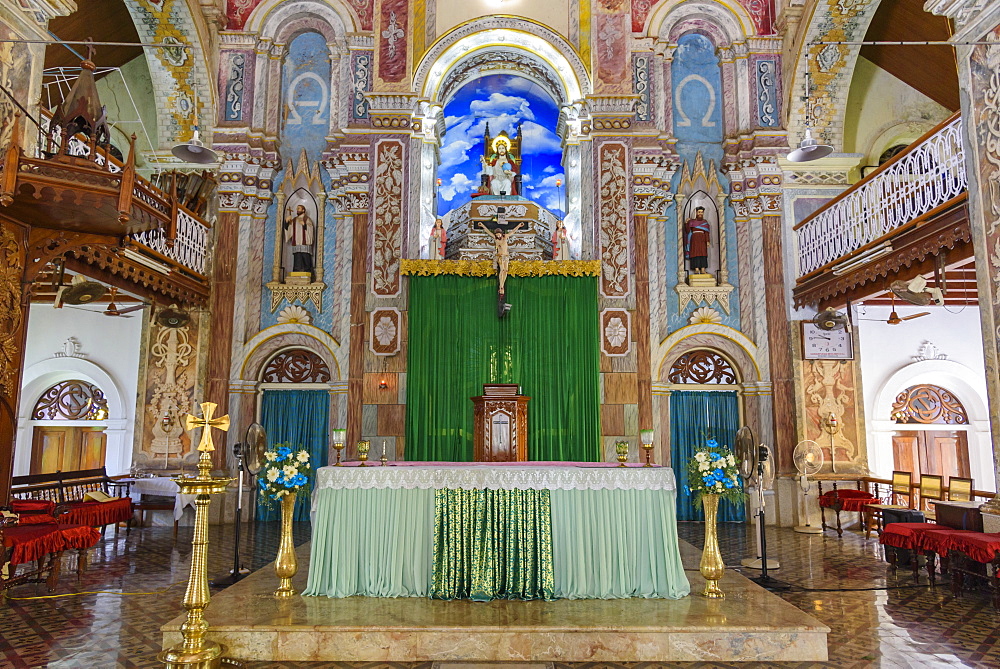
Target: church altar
{"type": "Point", "coordinates": [501, 531]}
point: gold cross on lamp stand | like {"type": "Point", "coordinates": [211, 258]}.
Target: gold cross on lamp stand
{"type": "Point", "coordinates": [196, 652]}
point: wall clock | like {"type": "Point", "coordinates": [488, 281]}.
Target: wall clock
{"type": "Point", "coordinates": [819, 344]}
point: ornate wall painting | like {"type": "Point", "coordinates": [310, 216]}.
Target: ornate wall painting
{"type": "Point", "coordinates": [767, 92]}
{"type": "Point", "coordinates": [832, 387]}
{"type": "Point", "coordinates": [697, 90]}
{"type": "Point", "coordinates": [238, 11]}
{"type": "Point", "coordinates": [640, 75]}
{"type": "Point", "coordinates": [386, 331]}
{"type": "Point", "coordinates": [235, 85]}
{"type": "Point", "coordinates": [640, 12]}
{"type": "Point", "coordinates": [171, 377]}
{"type": "Point", "coordinates": [616, 332]}
{"type": "Point", "coordinates": [15, 76]}
{"type": "Point", "coordinates": [386, 218]}
{"type": "Point", "coordinates": [392, 40]}
{"type": "Point", "coordinates": [610, 52]}
{"type": "Point", "coordinates": [361, 77]}
{"type": "Point", "coordinates": [11, 312]}
{"type": "Point", "coordinates": [615, 221]}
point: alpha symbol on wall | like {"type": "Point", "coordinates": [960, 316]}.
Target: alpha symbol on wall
{"type": "Point", "coordinates": [706, 120]}
{"type": "Point", "coordinates": [298, 108]}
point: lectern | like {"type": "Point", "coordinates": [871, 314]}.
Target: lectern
{"type": "Point", "coordinates": [501, 424]}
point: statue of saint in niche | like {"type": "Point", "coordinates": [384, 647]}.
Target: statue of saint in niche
{"type": "Point", "coordinates": [501, 159]}
{"type": "Point", "coordinates": [299, 228]}
{"type": "Point", "coordinates": [697, 247]}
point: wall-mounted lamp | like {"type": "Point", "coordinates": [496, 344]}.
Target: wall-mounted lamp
{"type": "Point", "coordinates": [383, 384]}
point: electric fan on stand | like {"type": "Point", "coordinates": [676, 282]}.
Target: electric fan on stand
{"type": "Point", "coordinates": [808, 459]}
{"type": "Point", "coordinates": [249, 458]}
{"type": "Point", "coordinates": [757, 470]}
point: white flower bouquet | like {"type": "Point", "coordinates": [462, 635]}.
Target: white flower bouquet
{"type": "Point", "coordinates": [713, 471]}
{"type": "Point", "coordinates": [286, 472]}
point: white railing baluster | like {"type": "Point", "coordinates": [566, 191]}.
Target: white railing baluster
{"type": "Point", "coordinates": [924, 178]}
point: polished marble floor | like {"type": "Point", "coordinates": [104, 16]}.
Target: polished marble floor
{"type": "Point", "coordinates": [897, 624]}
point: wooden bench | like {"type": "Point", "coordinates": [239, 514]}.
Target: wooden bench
{"type": "Point", "coordinates": [67, 490]}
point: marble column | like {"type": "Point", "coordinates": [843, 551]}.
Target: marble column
{"type": "Point", "coordinates": [13, 328]}
{"type": "Point", "coordinates": [641, 324]}
{"type": "Point", "coordinates": [779, 346]}
{"type": "Point", "coordinates": [221, 313]}
{"type": "Point", "coordinates": [356, 361]}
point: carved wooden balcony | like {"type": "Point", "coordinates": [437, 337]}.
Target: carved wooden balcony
{"type": "Point", "coordinates": [899, 217]}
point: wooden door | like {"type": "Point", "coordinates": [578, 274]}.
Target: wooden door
{"type": "Point", "coordinates": [952, 452]}
{"type": "Point", "coordinates": [66, 448]}
{"type": "Point", "coordinates": [904, 453]}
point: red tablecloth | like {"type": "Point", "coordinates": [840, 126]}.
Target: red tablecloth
{"type": "Point", "coordinates": [978, 546]}
{"type": "Point", "coordinates": [904, 535]}
{"type": "Point", "coordinates": [939, 541]}
{"type": "Point", "coordinates": [851, 500]}
{"type": "Point", "coordinates": [79, 536]}
{"type": "Point", "coordinates": [33, 542]}
{"type": "Point", "coordinates": [97, 514]}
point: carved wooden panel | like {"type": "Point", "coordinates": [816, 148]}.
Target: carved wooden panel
{"type": "Point", "coordinates": [296, 366]}
{"type": "Point", "coordinates": [387, 208]}
{"type": "Point", "coordinates": [616, 332]}
{"type": "Point", "coordinates": [928, 404]}
{"type": "Point", "coordinates": [71, 400]}
{"type": "Point", "coordinates": [614, 220]}
{"type": "Point", "coordinates": [386, 331]}
{"type": "Point", "coordinates": [702, 366]}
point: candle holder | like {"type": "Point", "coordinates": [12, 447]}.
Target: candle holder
{"type": "Point", "coordinates": [363, 447]}
{"type": "Point", "coordinates": [339, 436]}
{"type": "Point", "coordinates": [383, 459]}
{"type": "Point", "coordinates": [646, 437]}
{"type": "Point", "coordinates": [621, 449]}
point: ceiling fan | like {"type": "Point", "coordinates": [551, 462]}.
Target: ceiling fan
{"type": "Point", "coordinates": [113, 309]}
{"type": "Point", "coordinates": [894, 318]}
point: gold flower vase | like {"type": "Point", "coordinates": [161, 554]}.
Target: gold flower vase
{"type": "Point", "coordinates": [285, 565]}
{"type": "Point", "coordinates": [711, 567]}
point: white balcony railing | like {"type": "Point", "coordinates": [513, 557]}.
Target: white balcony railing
{"type": "Point", "coordinates": [189, 250]}
{"type": "Point", "coordinates": [925, 176]}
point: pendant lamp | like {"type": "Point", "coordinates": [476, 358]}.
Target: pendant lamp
{"type": "Point", "coordinates": [809, 148]}
{"type": "Point", "coordinates": [195, 151]}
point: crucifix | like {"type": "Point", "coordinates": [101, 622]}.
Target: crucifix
{"type": "Point", "coordinates": [206, 446]}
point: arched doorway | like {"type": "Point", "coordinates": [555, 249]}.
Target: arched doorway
{"type": "Point", "coordinates": [294, 408]}
{"type": "Point", "coordinates": [704, 404]}
{"type": "Point", "coordinates": [68, 423]}
{"type": "Point", "coordinates": [932, 432]}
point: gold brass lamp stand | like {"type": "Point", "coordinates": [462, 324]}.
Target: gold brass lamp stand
{"type": "Point", "coordinates": [196, 652]}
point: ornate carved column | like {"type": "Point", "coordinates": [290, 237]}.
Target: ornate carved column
{"type": "Point", "coordinates": [13, 328]}
{"type": "Point", "coordinates": [643, 353]}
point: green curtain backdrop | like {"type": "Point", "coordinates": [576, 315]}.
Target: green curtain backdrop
{"type": "Point", "coordinates": [696, 416]}
{"type": "Point", "coordinates": [548, 344]}
{"type": "Point", "coordinates": [300, 418]}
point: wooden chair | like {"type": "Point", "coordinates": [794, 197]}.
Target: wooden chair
{"type": "Point", "coordinates": [959, 489]}
{"type": "Point", "coordinates": [931, 489]}
{"type": "Point", "coordinates": [902, 488]}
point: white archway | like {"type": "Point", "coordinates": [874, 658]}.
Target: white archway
{"type": "Point", "coordinates": [120, 423]}
{"type": "Point", "coordinates": [965, 384]}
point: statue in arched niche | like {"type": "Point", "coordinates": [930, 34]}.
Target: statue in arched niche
{"type": "Point", "coordinates": [501, 162]}
{"type": "Point", "coordinates": [700, 233]}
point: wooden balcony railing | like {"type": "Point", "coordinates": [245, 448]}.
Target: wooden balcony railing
{"type": "Point", "coordinates": [928, 174]}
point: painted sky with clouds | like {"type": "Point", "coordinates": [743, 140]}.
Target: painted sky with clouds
{"type": "Point", "coordinates": [502, 100]}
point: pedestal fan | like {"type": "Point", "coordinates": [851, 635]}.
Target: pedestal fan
{"type": "Point", "coordinates": [808, 459]}
{"type": "Point", "coordinates": [757, 470]}
{"type": "Point", "coordinates": [249, 458]}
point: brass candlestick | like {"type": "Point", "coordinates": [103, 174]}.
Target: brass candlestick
{"type": "Point", "coordinates": [196, 651]}
{"type": "Point", "coordinates": [621, 449]}
{"type": "Point", "coordinates": [383, 459]}
{"type": "Point", "coordinates": [649, 451]}
{"type": "Point", "coordinates": [363, 447]}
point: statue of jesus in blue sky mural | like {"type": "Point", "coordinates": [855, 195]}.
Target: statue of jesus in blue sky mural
{"type": "Point", "coordinates": [524, 155]}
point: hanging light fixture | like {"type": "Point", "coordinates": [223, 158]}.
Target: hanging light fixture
{"type": "Point", "coordinates": [809, 148]}
{"type": "Point", "coordinates": [195, 151]}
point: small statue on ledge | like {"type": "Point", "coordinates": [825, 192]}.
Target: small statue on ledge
{"type": "Point", "coordinates": [438, 241]}
{"type": "Point", "coordinates": [697, 240]}
{"type": "Point", "coordinates": [560, 242]}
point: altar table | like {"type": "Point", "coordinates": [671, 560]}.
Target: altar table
{"type": "Point", "coordinates": [514, 531]}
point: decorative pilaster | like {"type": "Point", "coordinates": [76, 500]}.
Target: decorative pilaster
{"type": "Point", "coordinates": [13, 328]}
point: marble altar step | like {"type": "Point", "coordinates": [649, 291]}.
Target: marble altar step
{"type": "Point", "coordinates": [750, 624]}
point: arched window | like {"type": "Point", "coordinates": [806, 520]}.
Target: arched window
{"type": "Point", "coordinates": [297, 365]}
{"type": "Point", "coordinates": [928, 404]}
{"type": "Point", "coordinates": [71, 400]}
{"type": "Point", "coordinates": [703, 367]}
